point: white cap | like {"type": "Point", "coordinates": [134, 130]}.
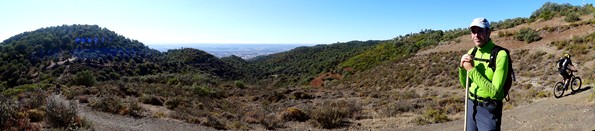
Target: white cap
{"type": "Point", "coordinates": [481, 23]}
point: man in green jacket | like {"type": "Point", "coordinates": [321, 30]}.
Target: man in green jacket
{"type": "Point", "coordinates": [486, 85]}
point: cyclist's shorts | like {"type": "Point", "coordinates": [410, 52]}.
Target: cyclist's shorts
{"type": "Point", "coordinates": [564, 73]}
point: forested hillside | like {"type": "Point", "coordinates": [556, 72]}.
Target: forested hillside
{"type": "Point", "coordinates": [47, 54]}
{"type": "Point", "coordinates": [302, 64]}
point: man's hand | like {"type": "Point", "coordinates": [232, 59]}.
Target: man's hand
{"type": "Point", "coordinates": [466, 62]}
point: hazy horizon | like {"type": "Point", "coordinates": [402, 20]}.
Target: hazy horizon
{"type": "Point", "coordinates": [245, 51]}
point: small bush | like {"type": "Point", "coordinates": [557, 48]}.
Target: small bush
{"type": "Point", "coordinates": [572, 18]}
{"type": "Point", "coordinates": [204, 90]}
{"type": "Point", "coordinates": [505, 34]}
{"type": "Point", "coordinates": [176, 102]}
{"type": "Point", "coordinates": [83, 99]}
{"type": "Point", "coordinates": [329, 118]}
{"type": "Point", "coordinates": [270, 122]}
{"type": "Point", "coordinates": [294, 114]}
{"type": "Point", "coordinates": [431, 116]}
{"type": "Point", "coordinates": [111, 104]}
{"type": "Point", "coordinates": [436, 115]}
{"type": "Point", "coordinates": [300, 95]}
{"type": "Point", "coordinates": [8, 111]}
{"type": "Point", "coordinates": [239, 84]}
{"type": "Point", "coordinates": [61, 114]}
{"type": "Point", "coordinates": [134, 109]}
{"type": "Point", "coordinates": [36, 99]}
{"type": "Point", "coordinates": [420, 120]}
{"type": "Point", "coordinates": [85, 78]}
{"type": "Point", "coordinates": [548, 29]}
{"type": "Point", "coordinates": [36, 115]}
{"type": "Point", "coordinates": [151, 99]}
{"type": "Point", "coordinates": [528, 35]}
{"type": "Point", "coordinates": [211, 121]}
{"type": "Point", "coordinates": [400, 106]}
{"type": "Point", "coordinates": [73, 91]}
{"type": "Point", "coordinates": [542, 94]}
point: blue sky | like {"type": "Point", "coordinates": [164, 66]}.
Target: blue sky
{"type": "Point", "coordinates": [259, 21]}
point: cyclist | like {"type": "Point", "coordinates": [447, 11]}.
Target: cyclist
{"type": "Point", "coordinates": [563, 67]}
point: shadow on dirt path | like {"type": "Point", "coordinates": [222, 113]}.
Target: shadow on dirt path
{"type": "Point", "coordinates": [578, 91]}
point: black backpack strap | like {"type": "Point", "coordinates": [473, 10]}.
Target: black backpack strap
{"type": "Point", "coordinates": [474, 51]}
{"type": "Point", "coordinates": [493, 55]}
{"type": "Point", "coordinates": [479, 59]}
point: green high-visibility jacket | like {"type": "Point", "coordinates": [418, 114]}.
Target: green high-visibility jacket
{"type": "Point", "coordinates": [485, 82]}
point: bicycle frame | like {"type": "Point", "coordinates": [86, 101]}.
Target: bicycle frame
{"type": "Point", "coordinates": [569, 80]}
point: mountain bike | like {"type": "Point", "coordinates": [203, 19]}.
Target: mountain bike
{"type": "Point", "coordinates": [575, 83]}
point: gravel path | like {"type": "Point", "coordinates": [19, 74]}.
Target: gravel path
{"type": "Point", "coordinates": [571, 112]}
{"type": "Point", "coordinates": [111, 122]}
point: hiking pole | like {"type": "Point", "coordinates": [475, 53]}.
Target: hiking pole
{"type": "Point", "coordinates": [466, 92]}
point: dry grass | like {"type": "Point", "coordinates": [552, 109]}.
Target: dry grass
{"type": "Point", "coordinates": [294, 114]}
{"type": "Point", "coordinates": [592, 96]}
{"type": "Point", "coordinates": [430, 116]}
{"type": "Point", "coordinates": [329, 118]}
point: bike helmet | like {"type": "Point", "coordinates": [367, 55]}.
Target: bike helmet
{"type": "Point", "coordinates": [567, 55]}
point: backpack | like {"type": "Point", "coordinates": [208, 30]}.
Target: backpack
{"type": "Point", "coordinates": [560, 63]}
{"type": "Point", "coordinates": [563, 63]}
{"type": "Point", "coordinates": [492, 64]}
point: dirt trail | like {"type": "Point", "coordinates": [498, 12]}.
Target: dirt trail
{"type": "Point", "coordinates": [571, 112]}
{"type": "Point", "coordinates": [110, 122]}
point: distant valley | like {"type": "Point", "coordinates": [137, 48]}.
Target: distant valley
{"type": "Point", "coordinates": [245, 51]}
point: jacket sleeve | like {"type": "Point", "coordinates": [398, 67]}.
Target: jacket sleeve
{"type": "Point", "coordinates": [498, 79]}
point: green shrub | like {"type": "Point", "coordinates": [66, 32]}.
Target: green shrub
{"type": "Point", "coordinates": [111, 104]}
{"type": "Point", "coordinates": [86, 78]}
{"type": "Point", "coordinates": [73, 91]}
{"type": "Point", "coordinates": [509, 23]}
{"type": "Point", "coordinates": [528, 35]}
{"type": "Point", "coordinates": [205, 90]}
{"type": "Point", "coordinates": [572, 18]}
{"type": "Point", "coordinates": [22, 88]}
{"type": "Point", "coordinates": [239, 84]}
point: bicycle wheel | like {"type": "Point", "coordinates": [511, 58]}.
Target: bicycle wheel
{"type": "Point", "coordinates": [559, 89]}
{"type": "Point", "coordinates": [576, 84]}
